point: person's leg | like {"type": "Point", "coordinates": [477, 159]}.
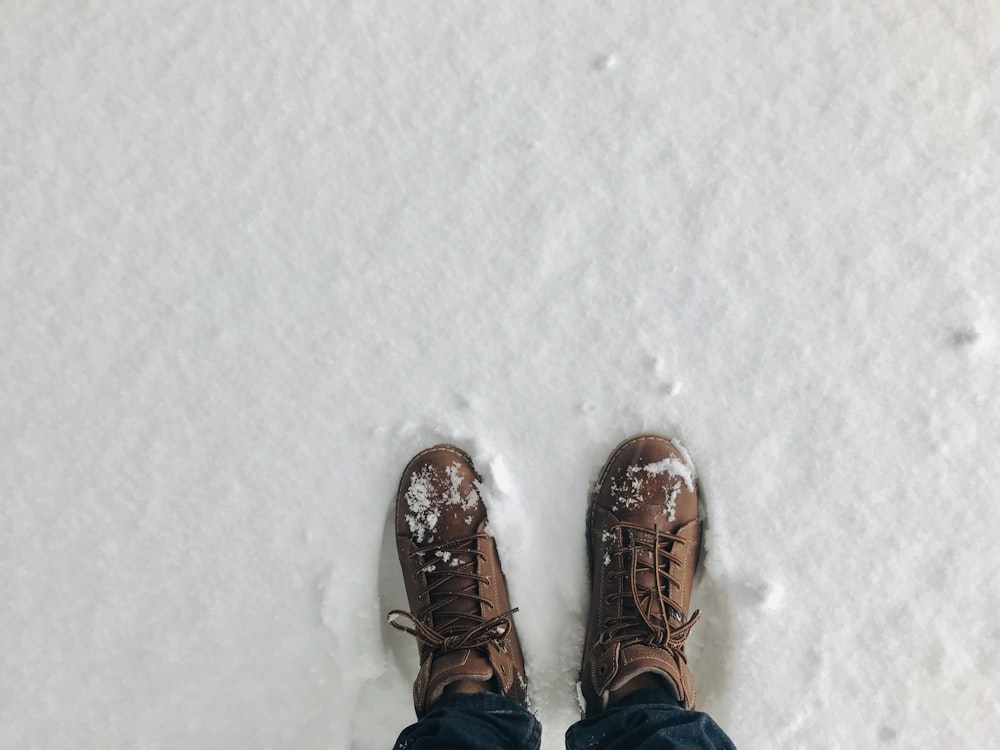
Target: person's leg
{"type": "Point", "coordinates": [648, 719]}
{"type": "Point", "coordinates": [471, 689]}
{"type": "Point", "coordinates": [644, 539]}
{"type": "Point", "coordinates": [473, 721]}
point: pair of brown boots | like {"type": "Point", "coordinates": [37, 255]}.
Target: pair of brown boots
{"type": "Point", "coordinates": [643, 539]}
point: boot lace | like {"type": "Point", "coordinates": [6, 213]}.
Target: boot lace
{"type": "Point", "coordinates": [448, 622]}
{"type": "Point", "coordinates": [648, 611]}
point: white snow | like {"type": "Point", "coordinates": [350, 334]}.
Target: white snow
{"type": "Point", "coordinates": [428, 493]}
{"type": "Point", "coordinates": [255, 256]}
{"type": "Point", "coordinates": [421, 500]}
{"type": "Point", "coordinates": [670, 502]}
{"type": "Point", "coordinates": [672, 467]}
{"type": "Point", "coordinates": [626, 493]}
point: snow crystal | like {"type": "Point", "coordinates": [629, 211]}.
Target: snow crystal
{"type": "Point", "coordinates": [628, 493]}
{"type": "Point", "coordinates": [429, 492]}
{"type": "Point", "coordinates": [424, 514]}
{"type": "Point", "coordinates": [670, 506]}
{"type": "Point", "coordinates": [447, 557]}
{"type": "Point", "coordinates": [674, 467]}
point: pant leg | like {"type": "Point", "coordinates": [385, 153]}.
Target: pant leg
{"type": "Point", "coordinates": [648, 719]}
{"type": "Point", "coordinates": [473, 721]}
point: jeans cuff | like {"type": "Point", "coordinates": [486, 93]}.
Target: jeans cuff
{"type": "Point", "coordinates": [650, 696]}
{"type": "Point", "coordinates": [489, 702]}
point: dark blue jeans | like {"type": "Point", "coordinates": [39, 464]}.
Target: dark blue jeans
{"type": "Point", "coordinates": [649, 719]}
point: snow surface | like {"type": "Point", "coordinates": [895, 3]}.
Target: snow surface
{"type": "Point", "coordinates": [256, 255]}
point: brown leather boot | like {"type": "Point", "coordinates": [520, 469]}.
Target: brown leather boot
{"type": "Point", "coordinates": [643, 537]}
{"type": "Point", "coordinates": [459, 609]}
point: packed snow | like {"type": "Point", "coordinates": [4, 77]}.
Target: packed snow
{"type": "Point", "coordinates": [254, 256]}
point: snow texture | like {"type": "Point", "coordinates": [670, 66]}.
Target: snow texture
{"type": "Point", "coordinates": [254, 256]}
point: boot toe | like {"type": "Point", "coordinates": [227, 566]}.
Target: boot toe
{"type": "Point", "coordinates": [438, 496]}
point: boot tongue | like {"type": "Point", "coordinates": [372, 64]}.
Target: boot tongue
{"type": "Point", "coordinates": [462, 611]}
{"type": "Point", "coordinates": [635, 660]}
{"type": "Point", "coordinates": [449, 574]}
{"type": "Point", "coordinates": [455, 666]}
